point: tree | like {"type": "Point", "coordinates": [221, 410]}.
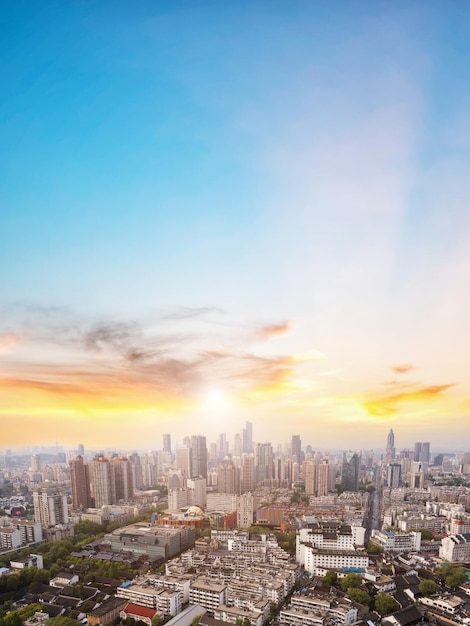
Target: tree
{"type": "Point", "coordinates": [373, 548]}
{"type": "Point", "coordinates": [350, 580]}
{"type": "Point", "coordinates": [456, 578]}
{"type": "Point", "coordinates": [330, 579]}
{"type": "Point", "coordinates": [426, 534]}
{"type": "Point", "coordinates": [450, 575]}
{"type": "Point", "coordinates": [385, 604]}
{"type": "Point", "coordinates": [428, 587]}
{"type": "Point", "coordinates": [60, 620]}
{"type": "Point", "coordinates": [358, 595]}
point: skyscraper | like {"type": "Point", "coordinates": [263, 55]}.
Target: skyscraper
{"type": "Point", "coordinates": [417, 452]}
{"type": "Point", "coordinates": [167, 443]}
{"type": "Point", "coordinates": [248, 438]}
{"type": "Point", "coordinates": [350, 471]}
{"type": "Point", "coordinates": [228, 478]}
{"type": "Point", "coordinates": [102, 482]}
{"type": "Point", "coordinates": [245, 510]}
{"type": "Point", "coordinates": [390, 449]}
{"type": "Point", "coordinates": [80, 483]}
{"type": "Point", "coordinates": [296, 448]}
{"type": "Point", "coordinates": [198, 456]}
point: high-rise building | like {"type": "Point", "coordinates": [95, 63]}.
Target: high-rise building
{"type": "Point", "coordinates": [248, 438]}
{"type": "Point", "coordinates": [50, 507]}
{"type": "Point", "coordinates": [183, 461]}
{"type": "Point", "coordinates": [237, 445]}
{"type": "Point", "coordinates": [246, 506]}
{"type": "Point", "coordinates": [80, 483]}
{"type": "Point", "coordinates": [248, 473]}
{"type": "Point", "coordinates": [394, 475]}
{"type": "Point", "coordinates": [310, 477]}
{"type": "Point", "coordinates": [323, 482]}
{"type": "Point", "coordinates": [390, 449]}
{"type": "Point", "coordinates": [81, 450]}
{"type": "Point", "coordinates": [197, 488]}
{"type": "Point", "coordinates": [228, 478]}
{"type": "Point", "coordinates": [121, 469]}
{"type": "Point", "coordinates": [198, 456]}
{"type": "Point", "coordinates": [167, 443]}
{"type": "Point", "coordinates": [350, 471]}
{"type": "Point", "coordinates": [425, 455]}
{"type": "Point", "coordinates": [263, 461]}
{"type": "Point", "coordinates": [417, 453]}
{"type": "Point", "coordinates": [296, 449]}
{"type": "Point", "coordinates": [102, 482]}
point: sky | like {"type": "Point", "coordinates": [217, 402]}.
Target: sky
{"type": "Point", "coordinates": [213, 212]}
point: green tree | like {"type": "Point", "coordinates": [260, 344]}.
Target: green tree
{"type": "Point", "coordinates": [360, 596]}
{"type": "Point", "coordinates": [428, 587]}
{"type": "Point", "coordinates": [385, 604]}
{"type": "Point", "coordinates": [426, 534]}
{"type": "Point", "coordinates": [350, 580]}
{"type": "Point", "coordinates": [330, 579]}
{"type": "Point", "coordinates": [195, 621]}
{"type": "Point", "coordinates": [456, 578]}
{"type": "Point", "coordinates": [60, 620]}
{"type": "Point", "coordinates": [373, 548]}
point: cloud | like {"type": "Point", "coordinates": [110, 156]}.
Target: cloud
{"type": "Point", "coordinates": [403, 369]}
{"type": "Point", "coordinates": [186, 312]}
{"type": "Point", "coordinates": [387, 405]}
{"type": "Point", "coordinates": [8, 340]}
{"type": "Point", "coordinates": [272, 330]}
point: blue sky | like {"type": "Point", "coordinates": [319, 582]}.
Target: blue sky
{"type": "Point", "coordinates": [204, 171]}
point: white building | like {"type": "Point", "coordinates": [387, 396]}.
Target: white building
{"type": "Point", "coordinates": [208, 593]}
{"type": "Point", "coordinates": [455, 548]}
{"type": "Point", "coordinates": [392, 541]}
{"type": "Point", "coordinates": [50, 507]}
{"type": "Point", "coordinates": [246, 505]}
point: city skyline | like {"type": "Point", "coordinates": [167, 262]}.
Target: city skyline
{"type": "Point", "coordinates": [213, 214]}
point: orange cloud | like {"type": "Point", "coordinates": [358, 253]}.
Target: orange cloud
{"type": "Point", "coordinates": [8, 340]}
{"type": "Point", "coordinates": [387, 405]}
{"type": "Point", "coordinates": [272, 330]}
{"type": "Point", "coordinates": [403, 369]}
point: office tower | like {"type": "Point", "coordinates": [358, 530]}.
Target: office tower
{"type": "Point", "coordinates": [417, 453]}
{"type": "Point", "coordinates": [81, 450]}
{"type": "Point", "coordinates": [323, 470]}
{"type": "Point", "coordinates": [137, 475]}
{"type": "Point", "coordinates": [122, 476]}
{"type": "Point", "coordinates": [394, 475]}
{"type": "Point", "coordinates": [425, 455]}
{"type": "Point", "coordinates": [296, 449]}
{"type": "Point", "coordinates": [350, 471]}
{"type": "Point", "coordinates": [50, 507]}
{"type": "Point", "coordinates": [80, 483]}
{"type": "Point", "coordinates": [248, 473]}
{"type": "Point", "coordinates": [102, 482]}
{"type": "Point", "coordinates": [390, 448]}
{"type": "Point", "coordinates": [310, 478]}
{"type": "Point", "coordinates": [221, 446]}
{"type": "Point", "coordinates": [417, 474]}
{"type": "Point", "coordinates": [237, 445]}
{"type": "Point", "coordinates": [245, 510]}
{"type": "Point", "coordinates": [35, 463]}
{"type": "Point", "coordinates": [183, 461]}
{"type": "Point", "coordinates": [228, 478]}
{"type": "Point", "coordinates": [248, 438]}
{"type": "Point", "coordinates": [198, 456]}
{"type": "Point", "coordinates": [197, 489]}
{"type": "Point", "coordinates": [263, 461]}
{"type": "Point", "coordinates": [167, 443]}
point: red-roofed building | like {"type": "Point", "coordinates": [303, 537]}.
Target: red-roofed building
{"type": "Point", "coordinates": [143, 613]}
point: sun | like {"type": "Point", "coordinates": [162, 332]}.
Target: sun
{"type": "Point", "coordinates": [215, 398]}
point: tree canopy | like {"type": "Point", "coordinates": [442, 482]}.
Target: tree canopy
{"type": "Point", "coordinates": [385, 604]}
